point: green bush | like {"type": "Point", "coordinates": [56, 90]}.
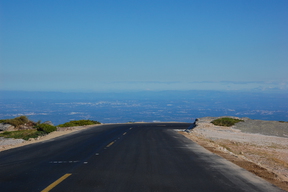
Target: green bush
{"type": "Point", "coordinates": [17, 121]}
{"type": "Point", "coordinates": [226, 121]}
{"type": "Point", "coordinates": [46, 128]}
{"type": "Point", "coordinates": [79, 123]}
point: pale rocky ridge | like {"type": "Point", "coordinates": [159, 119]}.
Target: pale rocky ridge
{"type": "Point", "coordinates": [264, 143]}
{"type": "Point", "coordinates": [6, 127]}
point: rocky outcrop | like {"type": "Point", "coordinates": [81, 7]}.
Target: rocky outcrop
{"type": "Point", "coordinates": [28, 125]}
{"type": "Point", "coordinates": [274, 128]}
{"type": "Point", "coordinates": [8, 141]}
{"type": "Point", "coordinates": [6, 127]}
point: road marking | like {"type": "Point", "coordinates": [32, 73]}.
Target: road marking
{"type": "Point", "coordinates": [55, 183]}
{"type": "Point", "coordinates": [62, 162]}
{"type": "Point", "coordinates": [110, 144]}
{"type": "Point", "coordinates": [125, 133]}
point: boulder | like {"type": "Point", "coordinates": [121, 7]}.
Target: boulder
{"type": "Point", "coordinates": [6, 127]}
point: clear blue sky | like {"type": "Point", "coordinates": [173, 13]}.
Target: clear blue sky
{"type": "Point", "coordinates": [87, 45]}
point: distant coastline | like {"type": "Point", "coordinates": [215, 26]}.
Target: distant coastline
{"type": "Point", "coordinates": [144, 106]}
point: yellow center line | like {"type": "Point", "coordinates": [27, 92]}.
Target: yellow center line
{"type": "Point", "coordinates": [110, 144]}
{"type": "Point", "coordinates": [51, 186]}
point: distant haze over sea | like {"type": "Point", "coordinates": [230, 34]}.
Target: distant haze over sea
{"type": "Point", "coordinates": [146, 106]}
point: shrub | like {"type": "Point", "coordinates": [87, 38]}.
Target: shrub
{"type": "Point", "coordinates": [78, 123]}
{"type": "Point", "coordinates": [23, 119]}
{"type": "Point", "coordinates": [226, 121]}
{"type": "Point", "coordinates": [46, 128]}
{"type": "Point", "coordinates": [17, 121]}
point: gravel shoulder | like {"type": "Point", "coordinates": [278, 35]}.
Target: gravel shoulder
{"type": "Point", "coordinates": [262, 149]}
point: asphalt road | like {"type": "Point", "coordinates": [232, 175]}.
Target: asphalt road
{"type": "Point", "coordinates": [123, 157]}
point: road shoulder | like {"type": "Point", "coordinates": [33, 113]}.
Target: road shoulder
{"type": "Point", "coordinates": [224, 141]}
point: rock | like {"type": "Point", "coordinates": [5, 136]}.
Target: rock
{"type": "Point", "coordinates": [48, 123]}
{"type": "Point", "coordinates": [6, 127]}
{"type": "Point", "coordinates": [22, 127]}
{"type": "Point", "coordinates": [10, 141]}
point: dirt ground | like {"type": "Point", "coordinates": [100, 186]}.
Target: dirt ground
{"type": "Point", "coordinates": [265, 156]}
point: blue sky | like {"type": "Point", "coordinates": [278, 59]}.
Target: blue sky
{"type": "Point", "coordinates": [109, 45]}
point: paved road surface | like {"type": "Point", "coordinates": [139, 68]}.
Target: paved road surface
{"type": "Point", "coordinates": [123, 157]}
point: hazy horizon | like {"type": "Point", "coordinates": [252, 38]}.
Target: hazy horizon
{"type": "Point", "coordinates": [147, 106]}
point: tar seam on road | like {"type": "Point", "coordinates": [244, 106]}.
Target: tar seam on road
{"type": "Point", "coordinates": [55, 183]}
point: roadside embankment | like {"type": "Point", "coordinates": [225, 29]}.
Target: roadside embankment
{"type": "Point", "coordinates": [9, 143]}
{"type": "Point", "coordinates": [260, 147]}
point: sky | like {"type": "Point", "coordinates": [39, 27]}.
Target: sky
{"type": "Point", "coordinates": [106, 45]}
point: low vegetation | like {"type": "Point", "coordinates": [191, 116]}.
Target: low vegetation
{"type": "Point", "coordinates": [226, 121]}
{"type": "Point", "coordinates": [35, 130]}
{"type": "Point", "coordinates": [32, 130]}
{"type": "Point", "coordinates": [45, 128]}
{"type": "Point", "coordinates": [79, 123]}
{"type": "Point", "coordinates": [16, 121]}
{"type": "Point", "coordinates": [22, 134]}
